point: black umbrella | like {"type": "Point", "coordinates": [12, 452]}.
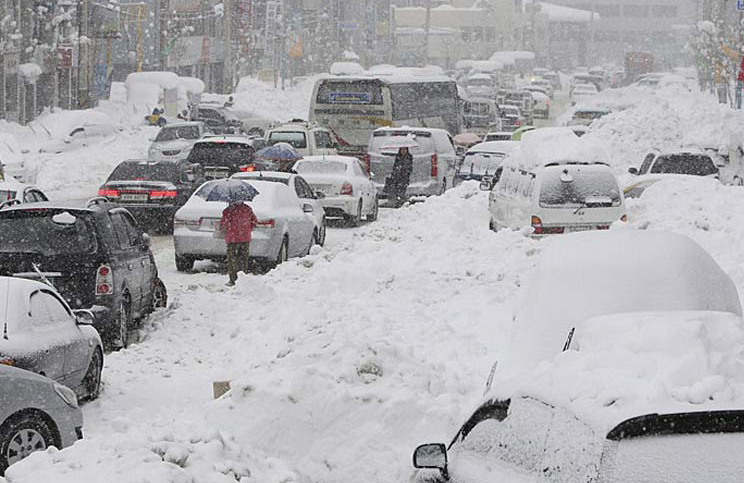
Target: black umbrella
{"type": "Point", "coordinates": [232, 190]}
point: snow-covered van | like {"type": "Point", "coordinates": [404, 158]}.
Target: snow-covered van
{"type": "Point", "coordinates": [308, 139]}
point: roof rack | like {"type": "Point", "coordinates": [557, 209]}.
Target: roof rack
{"type": "Point", "coordinates": [97, 201]}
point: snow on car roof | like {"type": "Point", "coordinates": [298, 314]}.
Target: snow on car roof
{"type": "Point", "coordinates": [398, 77]}
{"type": "Point", "coordinates": [321, 158]}
{"type": "Point", "coordinates": [555, 144]}
{"type": "Point", "coordinates": [493, 147]}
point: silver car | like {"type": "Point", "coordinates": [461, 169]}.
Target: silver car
{"type": "Point", "coordinates": [174, 141]}
{"type": "Point", "coordinates": [284, 229]}
{"type": "Point", "coordinates": [35, 413]}
{"type": "Point", "coordinates": [42, 334]}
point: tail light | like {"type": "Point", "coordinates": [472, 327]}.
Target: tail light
{"type": "Point", "coordinates": [163, 194]}
{"type": "Point", "coordinates": [104, 280]}
{"type": "Point", "coordinates": [624, 218]}
{"type": "Point", "coordinates": [347, 189]}
{"type": "Point", "coordinates": [108, 193]}
{"type": "Point", "coordinates": [518, 123]}
{"type": "Point", "coordinates": [7, 361]}
{"type": "Point", "coordinates": [536, 223]}
{"type": "Point", "coordinates": [367, 162]}
{"type": "Point", "coordinates": [539, 229]}
{"type": "Point", "coordinates": [265, 223]}
{"type": "Point", "coordinates": [434, 166]}
{"type": "Point", "coordinates": [247, 168]}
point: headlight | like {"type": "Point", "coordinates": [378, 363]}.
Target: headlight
{"type": "Point", "coordinates": [67, 395]}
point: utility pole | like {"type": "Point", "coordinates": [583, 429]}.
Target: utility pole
{"type": "Point", "coordinates": [427, 31]}
{"type": "Point", "coordinates": [227, 70]}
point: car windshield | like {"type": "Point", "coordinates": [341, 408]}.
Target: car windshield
{"type": "Point", "coordinates": [221, 154]}
{"type": "Point", "coordinates": [46, 233]}
{"type": "Point", "coordinates": [144, 171]}
{"type": "Point", "coordinates": [589, 114]}
{"type": "Point", "coordinates": [305, 167]}
{"type": "Point", "coordinates": [297, 139]}
{"type": "Point", "coordinates": [578, 186]}
{"type": "Point", "coordinates": [694, 164]}
{"type": "Point", "coordinates": [481, 163]}
{"type": "Point", "coordinates": [177, 132]}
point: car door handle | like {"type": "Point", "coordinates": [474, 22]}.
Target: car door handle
{"type": "Point", "coordinates": [129, 266]}
{"type": "Point", "coordinates": [142, 261]}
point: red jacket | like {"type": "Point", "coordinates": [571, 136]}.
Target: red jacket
{"type": "Point", "coordinates": [237, 223]}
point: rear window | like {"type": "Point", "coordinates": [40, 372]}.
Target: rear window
{"type": "Point", "coordinates": [349, 92]}
{"type": "Point", "coordinates": [578, 186]}
{"type": "Point", "coordinates": [145, 172]}
{"type": "Point", "coordinates": [297, 139]}
{"type": "Point", "coordinates": [177, 132]}
{"type": "Point", "coordinates": [425, 143]}
{"type": "Point", "coordinates": [481, 163]}
{"type": "Point", "coordinates": [46, 233]}
{"type": "Point", "coordinates": [694, 164]}
{"type": "Point", "coordinates": [303, 167]}
{"type": "Point", "coordinates": [222, 154]}
{"type": "Point", "coordinates": [589, 114]}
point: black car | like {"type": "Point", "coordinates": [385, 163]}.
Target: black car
{"type": "Point", "coordinates": [96, 256]}
{"type": "Point", "coordinates": [152, 190]}
{"type": "Point", "coordinates": [223, 156]}
{"type": "Point", "coordinates": [219, 120]}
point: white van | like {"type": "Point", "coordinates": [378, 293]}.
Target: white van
{"type": "Point", "coordinates": [309, 139]}
{"type": "Point", "coordinates": [560, 197]}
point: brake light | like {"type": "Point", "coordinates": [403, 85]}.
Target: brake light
{"type": "Point", "coordinates": [247, 168]}
{"type": "Point", "coordinates": [434, 166]}
{"type": "Point", "coordinates": [108, 193]}
{"type": "Point", "coordinates": [265, 223]}
{"type": "Point", "coordinates": [539, 229]}
{"type": "Point", "coordinates": [104, 280]}
{"type": "Point", "coordinates": [7, 361]}
{"type": "Point", "coordinates": [518, 123]}
{"type": "Point", "coordinates": [347, 189]}
{"type": "Point", "coordinates": [163, 194]}
{"type": "Point", "coordinates": [624, 218]}
{"type": "Point", "coordinates": [367, 162]}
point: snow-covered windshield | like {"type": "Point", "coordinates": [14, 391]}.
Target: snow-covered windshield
{"type": "Point", "coordinates": [177, 132]}
{"type": "Point", "coordinates": [577, 186]}
{"type": "Point", "coordinates": [165, 171]}
{"type": "Point", "coordinates": [224, 154]}
{"type": "Point", "coordinates": [481, 162]}
{"type": "Point", "coordinates": [694, 164]}
{"type": "Point", "coordinates": [36, 232]}
{"type": "Point", "coordinates": [304, 167]}
{"type": "Point", "coordinates": [297, 139]}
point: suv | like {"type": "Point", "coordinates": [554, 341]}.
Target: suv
{"type": "Point", "coordinates": [219, 119]}
{"type": "Point", "coordinates": [174, 141]}
{"type": "Point", "coordinates": [152, 190]}
{"type": "Point", "coordinates": [96, 256]}
{"type": "Point", "coordinates": [308, 139]}
{"type": "Point", "coordinates": [658, 165]}
{"type": "Point", "coordinates": [223, 156]}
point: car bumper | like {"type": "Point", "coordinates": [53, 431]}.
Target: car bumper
{"type": "Point", "coordinates": [204, 245]}
{"type": "Point", "coordinates": [69, 423]}
{"type": "Point", "coordinates": [339, 205]}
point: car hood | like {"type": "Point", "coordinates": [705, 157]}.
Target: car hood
{"type": "Point", "coordinates": [175, 144]}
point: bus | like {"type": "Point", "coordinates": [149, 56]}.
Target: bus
{"type": "Point", "coordinates": [352, 107]}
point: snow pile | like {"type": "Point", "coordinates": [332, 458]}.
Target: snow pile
{"type": "Point", "coordinates": [556, 144]}
{"type": "Point", "coordinates": [346, 68]}
{"type": "Point", "coordinates": [164, 80]}
{"type": "Point", "coordinates": [274, 103]}
{"type": "Point", "coordinates": [59, 124]}
{"type": "Point", "coordinates": [626, 365]}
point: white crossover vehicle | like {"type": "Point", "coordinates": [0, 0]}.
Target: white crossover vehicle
{"type": "Point", "coordinates": [12, 192]}
{"type": "Point", "coordinates": [349, 191]}
{"type": "Point", "coordinates": [308, 139]}
{"type": "Point", "coordinates": [174, 141]}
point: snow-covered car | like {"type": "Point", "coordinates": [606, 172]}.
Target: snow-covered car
{"type": "Point", "coordinates": [36, 413]}
{"type": "Point", "coordinates": [483, 159]}
{"type": "Point", "coordinates": [308, 139]}
{"type": "Point", "coordinates": [541, 106]}
{"type": "Point", "coordinates": [284, 230]}
{"type": "Point", "coordinates": [219, 119]}
{"type": "Point", "coordinates": [12, 162]}
{"type": "Point", "coordinates": [174, 141]}
{"type": "Point", "coordinates": [511, 118]}
{"type": "Point", "coordinates": [583, 91]}
{"type": "Point", "coordinates": [434, 159]}
{"type": "Point", "coordinates": [587, 115]}
{"type": "Point", "coordinates": [306, 195]}
{"type": "Point", "coordinates": [348, 191]}
{"type": "Point", "coordinates": [81, 136]}
{"type": "Point", "coordinates": [254, 124]}
{"type": "Point", "coordinates": [659, 165]}
{"type": "Point", "coordinates": [497, 136]}
{"type": "Point", "coordinates": [571, 400]}
{"type": "Point", "coordinates": [43, 335]}
{"type": "Point", "coordinates": [13, 192]}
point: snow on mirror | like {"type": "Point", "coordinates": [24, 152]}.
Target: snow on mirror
{"type": "Point", "coordinates": [64, 218]}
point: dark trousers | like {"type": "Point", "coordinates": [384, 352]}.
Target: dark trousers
{"type": "Point", "coordinates": [237, 259]}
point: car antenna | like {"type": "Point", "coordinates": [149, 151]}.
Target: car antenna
{"type": "Point", "coordinates": [7, 301]}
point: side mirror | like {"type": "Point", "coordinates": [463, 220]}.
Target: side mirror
{"type": "Point", "coordinates": [146, 242]}
{"type": "Point", "coordinates": [633, 170]}
{"type": "Point", "coordinates": [307, 208]}
{"type": "Point", "coordinates": [320, 195]}
{"type": "Point", "coordinates": [486, 184]}
{"type": "Point", "coordinates": [84, 317]}
{"type": "Point", "coordinates": [432, 456]}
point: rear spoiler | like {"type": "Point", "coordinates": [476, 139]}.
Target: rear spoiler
{"type": "Point", "coordinates": [700, 422]}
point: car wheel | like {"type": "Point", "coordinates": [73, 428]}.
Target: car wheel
{"type": "Point", "coordinates": [375, 210]}
{"type": "Point", "coordinates": [354, 220]}
{"type": "Point", "coordinates": [122, 324]}
{"type": "Point", "coordinates": [92, 379]}
{"type": "Point", "coordinates": [184, 264]}
{"type": "Point", "coordinates": [22, 435]}
{"type": "Point", "coordinates": [319, 235]}
{"type": "Point", "coordinates": [283, 254]}
{"type": "Point", "coordinates": [159, 295]}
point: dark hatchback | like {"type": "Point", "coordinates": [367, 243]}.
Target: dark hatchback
{"type": "Point", "coordinates": [223, 156]}
{"type": "Point", "coordinates": [152, 190]}
{"type": "Point", "coordinates": [96, 257]}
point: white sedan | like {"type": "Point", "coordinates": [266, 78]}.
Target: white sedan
{"type": "Point", "coordinates": [349, 192]}
{"type": "Point", "coordinates": [284, 230]}
{"type": "Point", "coordinates": [304, 193]}
{"type": "Point", "coordinates": [13, 192]}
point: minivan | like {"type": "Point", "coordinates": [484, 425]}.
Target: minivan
{"type": "Point", "coordinates": [434, 159]}
{"type": "Point", "coordinates": [560, 197]}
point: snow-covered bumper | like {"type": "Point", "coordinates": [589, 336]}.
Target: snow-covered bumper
{"type": "Point", "coordinates": [335, 206]}
{"type": "Point", "coordinates": [202, 244]}
{"type": "Point", "coordinates": [421, 188]}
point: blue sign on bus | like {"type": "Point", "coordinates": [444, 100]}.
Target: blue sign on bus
{"type": "Point", "coordinates": [350, 97]}
{"type": "Point", "coordinates": [740, 4]}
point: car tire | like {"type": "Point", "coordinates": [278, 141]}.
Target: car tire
{"type": "Point", "coordinates": [375, 210]}
{"type": "Point", "coordinates": [32, 430]}
{"type": "Point", "coordinates": [122, 324]}
{"type": "Point", "coordinates": [319, 234]}
{"type": "Point", "coordinates": [92, 379]}
{"type": "Point", "coordinates": [283, 254]}
{"type": "Point", "coordinates": [354, 220]}
{"type": "Point", "coordinates": [159, 295]}
{"type": "Point", "coordinates": [184, 264]}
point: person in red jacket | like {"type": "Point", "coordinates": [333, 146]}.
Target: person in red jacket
{"type": "Point", "coordinates": [237, 223]}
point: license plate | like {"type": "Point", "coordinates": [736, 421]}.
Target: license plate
{"type": "Point", "coordinates": [134, 197]}
{"type": "Point", "coordinates": [580, 228]}
{"type": "Point", "coordinates": [216, 174]}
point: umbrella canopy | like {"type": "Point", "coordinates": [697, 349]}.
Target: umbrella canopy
{"type": "Point", "coordinates": [279, 152]}
{"type": "Point", "coordinates": [467, 139]}
{"type": "Point", "coordinates": [394, 143]}
{"type": "Point", "coordinates": [231, 191]}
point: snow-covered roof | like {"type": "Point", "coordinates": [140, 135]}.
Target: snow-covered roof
{"type": "Point", "coordinates": [560, 13]}
{"type": "Point", "coordinates": [494, 147]}
{"type": "Point", "coordinates": [165, 80]}
{"type": "Point", "coordinates": [331, 157]}
{"type": "Point", "coordinates": [346, 68]}
{"type": "Point", "coordinates": [402, 76]}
